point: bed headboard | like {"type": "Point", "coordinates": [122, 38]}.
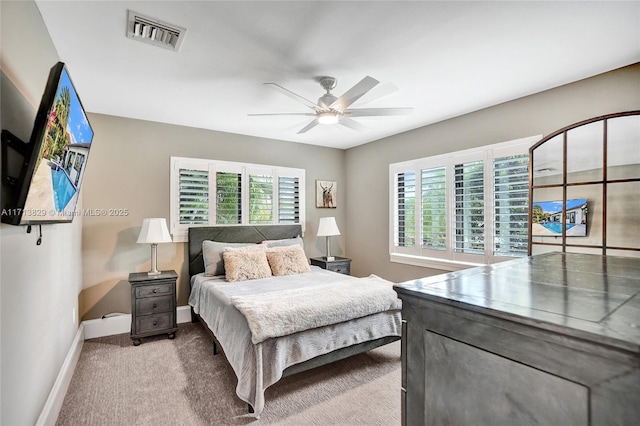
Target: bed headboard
{"type": "Point", "coordinates": [234, 234]}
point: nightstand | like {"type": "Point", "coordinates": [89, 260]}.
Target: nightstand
{"type": "Point", "coordinates": [340, 264]}
{"type": "Point", "coordinates": [153, 305]}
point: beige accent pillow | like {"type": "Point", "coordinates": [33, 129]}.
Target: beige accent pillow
{"type": "Point", "coordinates": [242, 265]}
{"type": "Point", "coordinates": [287, 260]}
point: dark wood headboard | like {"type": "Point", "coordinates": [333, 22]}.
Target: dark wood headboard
{"type": "Point", "coordinates": [234, 234]}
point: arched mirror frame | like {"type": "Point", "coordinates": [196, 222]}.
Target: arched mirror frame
{"type": "Point", "coordinates": [604, 181]}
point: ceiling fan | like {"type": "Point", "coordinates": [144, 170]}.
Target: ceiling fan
{"type": "Point", "coordinates": [331, 110]}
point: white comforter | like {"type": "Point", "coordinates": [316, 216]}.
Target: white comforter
{"type": "Point", "coordinates": [259, 365]}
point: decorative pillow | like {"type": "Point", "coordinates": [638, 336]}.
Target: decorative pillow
{"type": "Point", "coordinates": [283, 243]}
{"type": "Point", "coordinates": [245, 265]}
{"type": "Point", "coordinates": [212, 255]}
{"type": "Point", "coordinates": [287, 260]}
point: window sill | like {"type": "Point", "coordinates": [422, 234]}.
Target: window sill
{"type": "Point", "coordinates": [431, 262]}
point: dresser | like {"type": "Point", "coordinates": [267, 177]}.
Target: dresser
{"type": "Point", "coordinates": [339, 264]}
{"type": "Point", "coordinates": [551, 339]}
{"type": "Point", "coordinates": [153, 305]}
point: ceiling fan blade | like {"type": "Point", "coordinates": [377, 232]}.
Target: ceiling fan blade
{"type": "Point", "coordinates": [353, 94]}
{"type": "Point", "coordinates": [352, 124]}
{"type": "Point", "coordinates": [309, 126]}
{"type": "Point", "coordinates": [295, 96]}
{"type": "Point", "coordinates": [371, 112]}
{"type": "Point", "coordinates": [310, 114]}
{"type": "Point", "coordinates": [380, 91]}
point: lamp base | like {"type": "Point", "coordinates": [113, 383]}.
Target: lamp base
{"type": "Point", "coordinates": [151, 273]}
{"type": "Point", "coordinates": [330, 258]}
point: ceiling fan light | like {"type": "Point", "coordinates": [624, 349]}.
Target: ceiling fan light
{"type": "Point", "coordinates": [328, 118]}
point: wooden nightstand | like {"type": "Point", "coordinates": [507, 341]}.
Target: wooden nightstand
{"type": "Point", "coordinates": [340, 264]}
{"type": "Point", "coordinates": [153, 305]}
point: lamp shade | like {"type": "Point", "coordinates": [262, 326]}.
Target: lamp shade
{"type": "Point", "coordinates": [154, 230]}
{"type": "Point", "coordinates": [327, 227]}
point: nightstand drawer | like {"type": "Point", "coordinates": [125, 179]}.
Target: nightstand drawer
{"type": "Point", "coordinates": [148, 323]}
{"type": "Point", "coordinates": [154, 290]}
{"type": "Point", "coordinates": [341, 267]}
{"type": "Point", "coordinates": [150, 305]}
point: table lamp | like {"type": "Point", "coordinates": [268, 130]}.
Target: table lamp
{"type": "Point", "coordinates": [154, 231]}
{"type": "Point", "coordinates": [327, 228]}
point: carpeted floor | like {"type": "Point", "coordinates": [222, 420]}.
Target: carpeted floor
{"type": "Point", "coordinates": [180, 382]}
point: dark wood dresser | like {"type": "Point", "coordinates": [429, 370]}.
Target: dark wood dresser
{"type": "Point", "coordinates": [339, 264]}
{"type": "Point", "coordinates": [153, 305]}
{"type": "Point", "coordinates": [551, 339]}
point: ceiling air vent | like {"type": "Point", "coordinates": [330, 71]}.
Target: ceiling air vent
{"type": "Point", "coordinates": [153, 31]}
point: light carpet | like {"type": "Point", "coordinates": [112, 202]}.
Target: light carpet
{"type": "Point", "coordinates": [180, 382]}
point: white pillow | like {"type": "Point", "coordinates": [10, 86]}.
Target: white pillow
{"type": "Point", "coordinates": [212, 255]}
{"type": "Point", "coordinates": [285, 242]}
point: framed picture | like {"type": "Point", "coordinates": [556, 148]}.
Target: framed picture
{"type": "Point", "coordinates": [326, 194]}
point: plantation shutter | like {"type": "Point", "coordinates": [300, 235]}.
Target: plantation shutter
{"type": "Point", "coordinates": [511, 195]}
{"type": "Point", "coordinates": [260, 199]}
{"type": "Point", "coordinates": [193, 197]}
{"type": "Point", "coordinates": [469, 207]}
{"type": "Point", "coordinates": [228, 198]}
{"type": "Point", "coordinates": [288, 200]}
{"type": "Point", "coordinates": [434, 209]}
{"type": "Point", "coordinates": [405, 209]}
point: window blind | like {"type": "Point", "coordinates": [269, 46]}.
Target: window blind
{"type": "Point", "coordinates": [288, 200]}
{"type": "Point", "coordinates": [260, 199]}
{"type": "Point", "coordinates": [434, 209]}
{"type": "Point", "coordinates": [228, 198]}
{"type": "Point", "coordinates": [469, 207]}
{"type": "Point", "coordinates": [511, 206]}
{"type": "Point", "coordinates": [405, 209]}
{"type": "Point", "coordinates": [193, 197]}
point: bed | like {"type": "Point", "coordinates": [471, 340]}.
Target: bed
{"type": "Point", "coordinates": [261, 355]}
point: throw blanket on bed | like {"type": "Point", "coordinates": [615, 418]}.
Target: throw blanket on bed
{"type": "Point", "coordinates": [281, 313]}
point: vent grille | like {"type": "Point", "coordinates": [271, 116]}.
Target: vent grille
{"type": "Point", "coordinates": [153, 31]}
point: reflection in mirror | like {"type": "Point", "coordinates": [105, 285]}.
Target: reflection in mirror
{"type": "Point", "coordinates": [589, 225]}
{"type": "Point", "coordinates": [547, 162]}
{"type": "Point", "coordinates": [546, 222]}
{"type": "Point", "coordinates": [585, 152]}
{"type": "Point", "coordinates": [595, 210]}
{"type": "Point", "coordinates": [623, 214]}
{"type": "Point", "coordinates": [540, 249]}
{"type": "Point", "coordinates": [625, 253]}
{"type": "Point", "coordinates": [623, 147]}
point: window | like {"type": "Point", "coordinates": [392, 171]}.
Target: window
{"type": "Point", "coordinates": [461, 209]}
{"type": "Point", "coordinates": [209, 192]}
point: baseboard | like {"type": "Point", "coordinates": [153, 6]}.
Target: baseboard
{"type": "Point", "coordinates": [122, 324]}
{"type": "Point", "coordinates": [52, 406]}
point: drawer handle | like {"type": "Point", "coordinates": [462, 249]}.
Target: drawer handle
{"type": "Point", "coordinates": [155, 305]}
{"type": "Point", "coordinates": [155, 323]}
{"type": "Point", "coordinates": [155, 290]}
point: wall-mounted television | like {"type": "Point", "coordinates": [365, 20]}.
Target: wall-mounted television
{"type": "Point", "coordinates": [54, 161]}
{"type": "Point", "coordinates": [546, 218]}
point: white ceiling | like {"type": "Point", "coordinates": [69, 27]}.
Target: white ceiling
{"type": "Point", "coordinates": [446, 58]}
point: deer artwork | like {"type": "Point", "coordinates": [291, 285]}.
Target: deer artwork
{"type": "Point", "coordinates": [327, 196]}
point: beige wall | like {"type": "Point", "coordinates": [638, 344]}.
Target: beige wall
{"type": "Point", "coordinates": [39, 284]}
{"type": "Point", "coordinates": [129, 168]}
{"type": "Point", "coordinates": [367, 173]}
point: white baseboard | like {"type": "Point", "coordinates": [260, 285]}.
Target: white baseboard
{"type": "Point", "coordinates": [122, 324]}
{"type": "Point", "coordinates": [52, 406]}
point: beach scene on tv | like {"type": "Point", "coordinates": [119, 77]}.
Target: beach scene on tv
{"type": "Point", "coordinates": [60, 168]}
{"type": "Point", "coordinates": [546, 218]}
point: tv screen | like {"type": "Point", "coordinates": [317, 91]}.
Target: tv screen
{"type": "Point", "coordinates": [55, 158]}
{"type": "Point", "coordinates": [546, 218]}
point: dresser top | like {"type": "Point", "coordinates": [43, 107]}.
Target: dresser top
{"type": "Point", "coordinates": [144, 276]}
{"type": "Point", "coordinates": [582, 295]}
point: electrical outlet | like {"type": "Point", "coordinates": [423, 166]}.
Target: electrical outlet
{"type": "Point", "coordinates": [74, 315]}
